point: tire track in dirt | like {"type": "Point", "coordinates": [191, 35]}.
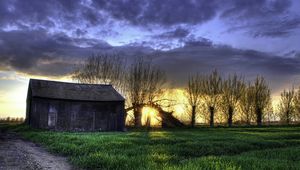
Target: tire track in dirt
{"type": "Point", "coordinates": [16, 153]}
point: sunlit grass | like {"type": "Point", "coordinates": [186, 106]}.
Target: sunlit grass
{"type": "Point", "coordinates": [202, 148]}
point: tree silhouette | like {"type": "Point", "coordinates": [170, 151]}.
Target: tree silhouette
{"type": "Point", "coordinates": [232, 90]}
{"type": "Point", "coordinates": [297, 104]}
{"type": "Point", "coordinates": [287, 105]}
{"type": "Point", "coordinates": [139, 83]}
{"type": "Point", "coordinates": [212, 89]}
{"type": "Point", "coordinates": [262, 98]}
{"type": "Point", "coordinates": [246, 104]}
{"type": "Point", "coordinates": [102, 69]}
{"type": "Point", "coordinates": [143, 83]}
{"type": "Point", "coordinates": [194, 93]}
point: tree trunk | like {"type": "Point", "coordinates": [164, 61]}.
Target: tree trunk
{"type": "Point", "coordinates": [230, 115]}
{"type": "Point", "coordinates": [137, 115]}
{"type": "Point", "coordinates": [148, 122]}
{"type": "Point", "coordinates": [287, 117]}
{"type": "Point", "coordinates": [168, 120]}
{"type": "Point", "coordinates": [193, 116]}
{"type": "Point", "coordinates": [211, 121]}
{"type": "Point", "coordinates": [258, 116]}
{"type": "Point", "coordinates": [248, 121]}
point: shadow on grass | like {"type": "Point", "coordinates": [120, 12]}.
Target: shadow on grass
{"type": "Point", "coordinates": [217, 148]}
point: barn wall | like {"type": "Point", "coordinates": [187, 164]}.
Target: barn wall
{"type": "Point", "coordinates": [34, 117]}
{"type": "Point", "coordinates": [28, 105]}
{"type": "Point", "coordinates": [38, 113]}
{"type": "Point", "coordinates": [77, 115]}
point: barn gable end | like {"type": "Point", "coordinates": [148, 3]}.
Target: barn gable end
{"type": "Point", "coordinates": [74, 107]}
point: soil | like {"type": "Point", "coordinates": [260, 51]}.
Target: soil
{"type": "Point", "coordinates": [17, 153]}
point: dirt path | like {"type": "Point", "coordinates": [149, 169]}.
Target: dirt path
{"type": "Point", "coordinates": [16, 153]}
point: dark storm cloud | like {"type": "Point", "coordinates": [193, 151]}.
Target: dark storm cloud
{"type": "Point", "coordinates": [80, 32]}
{"type": "Point", "coordinates": [176, 33]}
{"type": "Point", "coordinates": [47, 14]}
{"type": "Point", "coordinates": [266, 18]}
{"type": "Point", "coordinates": [261, 18]}
{"type": "Point", "coordinates": [165, 13]}
{"type": "Point", "coordinates": [37, 52]}
{"type": "Point", "coordinates": [255, 8]}
{"type": "Point", "coordinates": [197, 42]}
{"type": "Point", "coordinates": [137, 12]}
{"type": "Point", "coordinates": [271, 27]}
{"type": "Point", "coordinates": [181, 62]}
{"type": "Point", "coordinates": [278, 28]}
{"type": "Point", "coordinates": [40, 53]}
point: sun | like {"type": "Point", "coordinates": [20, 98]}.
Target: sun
{"type": "Point", "coordinates": [150, 115]}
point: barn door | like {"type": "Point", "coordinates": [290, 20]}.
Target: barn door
{"type": "Point", "coordinates": [52, 117]}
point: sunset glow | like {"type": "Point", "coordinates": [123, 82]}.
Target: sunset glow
{"type": "Point", "coordinates": [13, 96]}
{"type": "Point", "coordinates": [149, 84]}
{"type": "Point", "coordinates": [151, 115]}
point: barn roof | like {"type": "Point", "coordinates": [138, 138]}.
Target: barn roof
{"type": "Point", "coordinates": [73, 91]}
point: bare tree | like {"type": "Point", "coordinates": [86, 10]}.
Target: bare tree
{"type": "Point", "coordinates": [297, 104]}
{"type": "Point", "coordinates": [246, 104]}
{"type": "Point", "coordinates": [262, 97]}
{"type": "Point", "coordinates": [212, 89]}
{"type": "Point", "coordinates": [286, 105]}
{"type": "Point", "coordinates": [143, 83]}
{"type": "Point", "coordinates": [102, 69]}
{"type": "Point", "coordinates": [140, 83]}
{"type": "Point", "coordinates": [194, 93]}
{"type": "Point", "coordinates": [270, 115]}
{"type": "Point", "coordinates": [232, 89]}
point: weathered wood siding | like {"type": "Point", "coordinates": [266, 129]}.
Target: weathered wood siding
{"type": "Point", "coordinates": [76, 115]}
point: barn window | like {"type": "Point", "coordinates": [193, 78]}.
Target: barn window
{"type": "Point", "coordinates": [52, 116]}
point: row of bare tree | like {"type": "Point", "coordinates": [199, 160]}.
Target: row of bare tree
{"type": "Point", "coordinates": [229, 95]}
{"type": "Point", "coordinates": [139, 81]}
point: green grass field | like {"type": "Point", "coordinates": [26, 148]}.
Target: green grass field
{"type": "Point", "coordinates": [201, 148]}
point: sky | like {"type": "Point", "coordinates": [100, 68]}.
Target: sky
{"type": "Point", "coordinates": [47, 38]}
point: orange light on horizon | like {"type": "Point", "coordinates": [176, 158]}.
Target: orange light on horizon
{"type": "Point", "coordinates": [150, 114]}
{"type": "Point", "coordinates": [13, 98]}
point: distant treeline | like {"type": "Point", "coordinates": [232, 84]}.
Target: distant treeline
{"type": "Point", "coordinates": [12, 120]}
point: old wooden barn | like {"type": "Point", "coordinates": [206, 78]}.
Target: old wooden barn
{"type": "Point", "coordinates": [74, 107]}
